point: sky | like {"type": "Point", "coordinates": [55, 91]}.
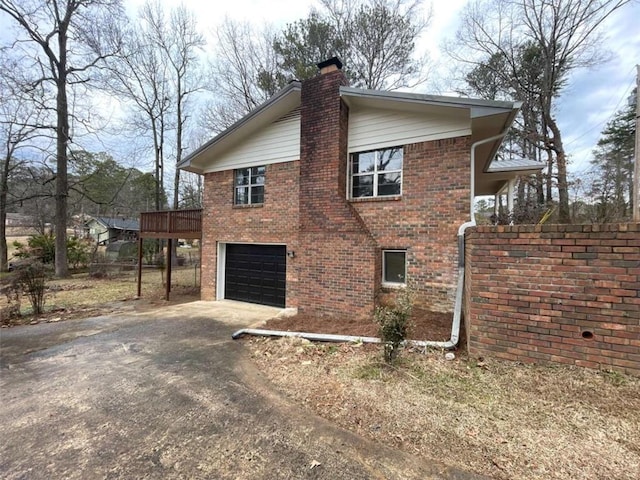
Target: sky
{"type": "Point", "coordinates": [588, 102]}
{"type": "Point", "coordinates": [590, 99]}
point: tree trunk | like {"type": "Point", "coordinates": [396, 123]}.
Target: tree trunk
{"type": "Point", "coordinates": [549, 178]}
{"type": "Point", "coordinates": [62, 139]}
{"type": "Point", "coordinates": [564, 213]}
{"type": "Point", "coordinates": [3, 217]}
{"type": "Point", "coordinates": [176, 178]}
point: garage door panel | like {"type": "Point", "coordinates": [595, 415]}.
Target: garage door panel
{"type": "Point", "coordinates": [256, 273]}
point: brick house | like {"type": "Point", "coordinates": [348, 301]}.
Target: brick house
{"type": "Point", "coordinates": [327, 197]}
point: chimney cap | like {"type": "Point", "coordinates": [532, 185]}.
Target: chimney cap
{"type": "Point", "coordinates": [330, 65]}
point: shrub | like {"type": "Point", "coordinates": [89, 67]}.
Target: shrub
{"type": "Point", "coordinates": [43, 248]}
{"type": "Point", "coordinates": [393, 323]}
{"type": "Point", "coordinates": [13, 295]}
{"type": "Point", "coordinates": [149, 249]}
{"type": "Point", "coordinates": [30, 278]}
{"type": "Point", "coordinates": [78, 252]}
{"type": "Point", "coordinates": [40, 246]}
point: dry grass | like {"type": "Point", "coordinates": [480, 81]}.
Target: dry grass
{"type": "Point", "coordinates": [505, 420]}
{"type": "Point", "coordinates": [81, 295]}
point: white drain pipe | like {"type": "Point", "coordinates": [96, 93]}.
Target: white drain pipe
{"type": "Point", "coordinates": [457, 312]}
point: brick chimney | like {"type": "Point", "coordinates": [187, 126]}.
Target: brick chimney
{"type": "Point", "coordinates": [330, 65]}
{"type": "Point", "coordinates": [323, 150]}
{"type": "Point", "coordinates": [338, 255]}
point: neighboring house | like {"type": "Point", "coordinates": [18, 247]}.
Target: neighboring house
{"type": "Point", "coordinates": [19, 220]}
{"type": "Point", "coordinates": [327, 197]}
{"type": "Point", "coordinates": [106, 230]}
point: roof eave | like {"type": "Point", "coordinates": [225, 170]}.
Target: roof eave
{"type": "Point", "coordinates": [439, 100]}
{"type": "Point", "coordinates": [525, 170]}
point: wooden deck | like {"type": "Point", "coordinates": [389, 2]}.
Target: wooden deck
{"type": "Point", "coordinates": [171, 224]}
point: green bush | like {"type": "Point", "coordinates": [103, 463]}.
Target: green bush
{"type": "Point", "coordinates": [78, 252]}
{"type": "Point", "coordinates": [149, 249]}
{"type": "Point", "coordinates": [42, 247]}
{"type": "Point", "coordinates": [393, 325]}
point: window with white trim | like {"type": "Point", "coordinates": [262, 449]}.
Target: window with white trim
{"type": "Point", "coordinates": [249, 186]}
{"type": "Point", "coordinates": [377, 173]}
{"type": "Point", "coordinates": [394, 267]}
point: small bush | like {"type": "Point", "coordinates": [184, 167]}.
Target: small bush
{"type": "Point", "coordinates": [31, 278]}
{"type": "Point", "coordinates": [149, 249]}
{"type": "Point", "coordinates": [12, 309]}
{"type": "Point", "coordinates": [394, 326]}
{"type": "Point", "coordinates": [40, 246]}
{"type": "Point", "coordinates": [78, 252]}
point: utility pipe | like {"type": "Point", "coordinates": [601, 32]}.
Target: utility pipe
{"type": "Point", "coordinates": [455, 326]}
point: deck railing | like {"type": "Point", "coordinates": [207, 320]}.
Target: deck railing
{"type": "Point", "coordinates": [182, 223]}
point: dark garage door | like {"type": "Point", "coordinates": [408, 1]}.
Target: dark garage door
{"type": "Point", "coordinates": [256, 274]}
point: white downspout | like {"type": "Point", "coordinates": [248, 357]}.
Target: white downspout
{"type": "Point", "coordinates": [455, 326]}
{"type": "Point", "coordinates": [511, 185]}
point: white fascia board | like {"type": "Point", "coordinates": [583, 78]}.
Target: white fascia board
{"type": "Point", "coordinates": [437, 100]}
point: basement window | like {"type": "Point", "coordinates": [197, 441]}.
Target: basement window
{"type": "Point", "coordinates": [394, 268]}
{"type": "Point", "coordinates": [249, 186]}
{"type": "Point", "coordinates": [377, 173]}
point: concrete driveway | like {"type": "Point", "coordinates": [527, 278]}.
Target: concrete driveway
{"type": "Point", "coordinates": [166, 394]}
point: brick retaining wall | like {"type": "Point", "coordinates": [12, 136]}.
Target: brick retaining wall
{"type": "Point", "coordinates": [555, 293]}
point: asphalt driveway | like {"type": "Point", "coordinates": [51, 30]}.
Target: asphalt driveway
{"type": "Point", "coordinates": [166, 394]}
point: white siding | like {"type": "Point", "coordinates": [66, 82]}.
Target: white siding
{"type": "Point", "coordinates": [278, 142]}
{"type": "Point", "coordinates": [370, 129]}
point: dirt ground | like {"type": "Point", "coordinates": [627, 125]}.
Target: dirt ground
{"type": "Point", "coordinates": [167, 394]}
{"type": "Point", "coordinates": [503, 420]}
{"type": "Point", "coordinates": [81, 295]}
{"type": "Point", "coordinates": [425, 325]}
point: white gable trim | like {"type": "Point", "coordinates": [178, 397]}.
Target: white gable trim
{"type": "Point", "coordinates": [279, 142]}
{"type": "Point", "coordinates": [374, 128]}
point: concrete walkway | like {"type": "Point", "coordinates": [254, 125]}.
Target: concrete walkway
{"type": "Point", "coordinates": [167, 394]}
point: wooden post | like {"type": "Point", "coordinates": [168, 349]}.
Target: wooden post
{"type": "Point", "coordinates": [139, 266]}
{"type": "Point", "coordinates": [169, 245]}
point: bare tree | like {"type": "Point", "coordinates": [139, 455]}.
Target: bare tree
{"type": "Point", "coordinates": [179, 42]}
{"type": "Point", "coordinates": [155, 75]}
{"type": "Point", "coordinates": [379, 39]}
{"type": "Point", "coordinates": [376, 39]}
{"type": "Point", "coordinates": [65, 39]}
{"type": "Point", "coordinates": [139, 77]}
{"type": "Point", "coordinates": [19, 125]}
{"type": "Point", "coordinates": [560, 35]}
{"type": "Point", "coordinates": [244, 72]}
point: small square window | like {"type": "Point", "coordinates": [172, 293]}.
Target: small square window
{"type": "Point", "coordinates": [249, 186]}
{"type": "Point", "coordinates": [394, 267]}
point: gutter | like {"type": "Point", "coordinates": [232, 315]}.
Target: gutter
{"type": "Point", "coordinates": [457, 312]}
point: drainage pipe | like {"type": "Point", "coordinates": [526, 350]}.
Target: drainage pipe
{"type": "Point", "coordinates": [455, 326]}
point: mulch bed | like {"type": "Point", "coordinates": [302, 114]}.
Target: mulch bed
{"type": "Point", "coordinates": [426, 325]}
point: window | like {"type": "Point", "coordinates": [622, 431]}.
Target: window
{"type": "Point", "coordinates": [249, 186]}
{"type": "Point", "coordinates": [394, 267]}
{"type": "Point", "coordinates": [377, 173]}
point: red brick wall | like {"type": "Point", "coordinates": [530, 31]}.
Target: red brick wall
{"type": "Point", "coordinates": [276, 221]}
{"type": "Point", "coordinates": [337, 260]}
{"type": "Point", "coordinates": [555, 293]}
{"type": "Point", "coordinates": [338, 243]}
{"type": "Point", "coordinates": [425, 220]}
